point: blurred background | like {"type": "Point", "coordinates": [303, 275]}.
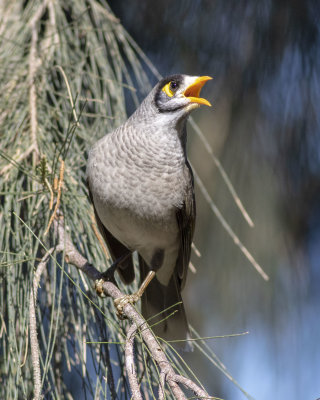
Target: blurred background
{"type": "Point", "coordinates": [264, 127]}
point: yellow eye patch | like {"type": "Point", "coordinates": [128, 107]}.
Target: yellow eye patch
{"type": "Point", "coordinates": [167, 90]}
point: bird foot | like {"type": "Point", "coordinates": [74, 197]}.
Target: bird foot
{"type": "Point", "coordinates": [122, 301]}
{"type": "Point", "coordinates": [107, 276]}
{"type": "Point", "coordinates": [98, 287]}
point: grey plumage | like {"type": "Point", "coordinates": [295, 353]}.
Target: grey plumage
{"type": "Point", "coordinates": [141, 186]}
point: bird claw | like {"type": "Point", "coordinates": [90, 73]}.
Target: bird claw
{"type": "Point", "coordinates": [107, 276]}
{"type": "Point", "coordinates": [122, 301]}
{"type": "Point", "coordinates": [98, 285]}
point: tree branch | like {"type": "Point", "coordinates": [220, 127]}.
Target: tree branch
{"type": "Point", "coordinates": [161, 386]}
{"type": "Point", "coordinates": [167, 373]}
{"type": "Point", "coordinates": [130, 363]}
{"type": "Point", "coordinates": [35, 352]}
{"type": "Point", "coordinates": [190, 384]}
{"type": "Point", "coordinates": [34, 63]}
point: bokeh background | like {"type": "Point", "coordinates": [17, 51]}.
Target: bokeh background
{"type": "Point", "coordinates": [264, 127]}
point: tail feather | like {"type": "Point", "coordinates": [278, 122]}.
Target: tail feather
{"type": "Point", "coordinates": [162, 306]}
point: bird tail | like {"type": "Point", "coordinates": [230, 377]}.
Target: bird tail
{"type": "Point", "coordinates": [163, 309]}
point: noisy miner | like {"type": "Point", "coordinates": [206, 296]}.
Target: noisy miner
{"type": "Point", "coordinates": [141, 187]}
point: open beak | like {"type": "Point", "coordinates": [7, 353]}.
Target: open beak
{"type": "Point", "coordinates": [193, 91]}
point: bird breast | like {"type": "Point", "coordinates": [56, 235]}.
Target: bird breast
{"type": "Point", "coordinates": [139, 171]}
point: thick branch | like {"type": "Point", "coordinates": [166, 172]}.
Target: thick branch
{"type": "Point", "coordinates": [130, 364]}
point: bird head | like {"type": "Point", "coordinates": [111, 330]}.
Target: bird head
{"type": "Point", "coordinates": [180, 93]}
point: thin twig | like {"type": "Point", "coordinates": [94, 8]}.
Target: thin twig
{"type": "Point", "coordinates": [51, 39]}
{"type": "Point", "coordinates": [69, 94]}
{"type": "Point", "coordinates": [51, 193]}
{"type": "Point", "coordinates": [35, 352]}
{"type": "Point", "coordinates": [34, 63]}
{"type": "Point", "coordinates": [58, 197]}
{"type": "Point", "coordinates": [26, 350]}
{"type": "Point", "coordinates": [3, 326]}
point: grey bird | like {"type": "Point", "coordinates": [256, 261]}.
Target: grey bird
{"type": "Point", "coordinates": [141, 186]}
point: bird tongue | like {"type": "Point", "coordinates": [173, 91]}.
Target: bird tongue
{"type": "Point", "coordinates": [193, 91]}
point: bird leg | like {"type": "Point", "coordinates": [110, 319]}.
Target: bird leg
{"type": "Point", "coordinates": [122, 301]}
{"type": "Point", "coordinates": [108, 275]}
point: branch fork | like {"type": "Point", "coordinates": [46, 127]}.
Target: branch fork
{"type": "Point", "coordinates": [167, 374]}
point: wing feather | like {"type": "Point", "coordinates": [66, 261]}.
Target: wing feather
{"type": "Point", "coordinates": [186, 216]}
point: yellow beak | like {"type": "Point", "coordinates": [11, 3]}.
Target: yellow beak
{"type": "Point", "coordinates": [193, 91]}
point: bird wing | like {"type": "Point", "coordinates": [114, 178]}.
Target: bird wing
{"type": "Point", "coordinates": [116, 248]}
{"type": "Point", "coordinates": [186, 216]}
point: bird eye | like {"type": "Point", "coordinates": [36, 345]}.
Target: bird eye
{"type": "Point", "coordinates": [173, 85]}
{"type": "Point", "coordinates": [170, 88]}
